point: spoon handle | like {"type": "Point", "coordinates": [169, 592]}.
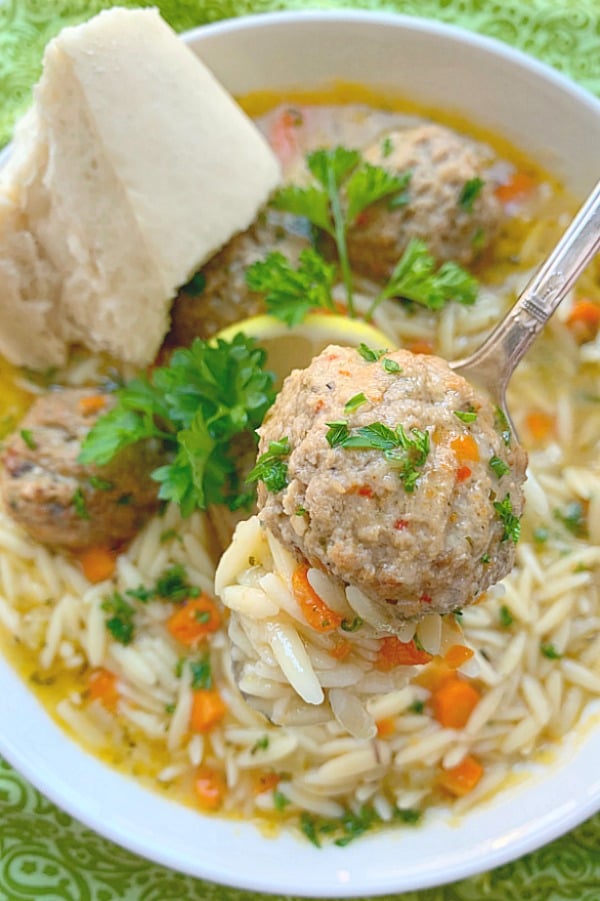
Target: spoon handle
{"type": "Point", "coordinates": [494, 362]}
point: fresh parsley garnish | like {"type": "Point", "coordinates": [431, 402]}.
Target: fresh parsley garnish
{"type": "Point", "coordinates": [466, 415]}
{"type": "Point", "coordinates": [79, 502]}
{"type": "Point", "coordinates": [416, 278]}
{"type": "Point", "coordinates": [195, 406]}
{"type": "Point", "coordinates": [201, 673]}
{"type": "Point", "coordinates": [28, 439]}
{"type": "Point", "coordinates": [510, 522]}
{"type": "Point", "coordinates": [271, 467]}
{"type": "Point", "coordinates": [260, 744]}
{"type": "Point", "coordinates": [351, 825]}
{"type": "Point", "coordinates": [469, 193]}
{"type": "Point", "coordinates": [355, 402]}
{"type": "Point", "coordinates": [173, 585]}
{"type": "Point", "coordinates": [291, 293]}
{"type": "Point", "coordinates": [390, 365]}
{"type": "Point", "coordinates": [370, 355]}
{"type": "Point", "coordinates": [120, 622]}
{"type": "Point", "coordinates": [549, 651]}
{"type": "Point", "coordinates": [498, 466]}
{"type": "Point", "coordinates": [280, 801]}
{"type": "Point", "coordinates": [344, 186]}
{"type": "Point", "coordinates": [405, 454]}
{"type": "Point", "coordinates": [506, 617]}
{"type": "Point", "coordinates": [351, 625]}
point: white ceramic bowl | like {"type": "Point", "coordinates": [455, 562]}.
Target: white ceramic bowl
{"type": "Point", "coordinates": [559, 124]}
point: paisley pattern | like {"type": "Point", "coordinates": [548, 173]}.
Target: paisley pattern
{"type": "Point", "coordinates": [44, 853]}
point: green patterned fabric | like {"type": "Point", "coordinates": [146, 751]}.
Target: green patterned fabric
{"type": "Point", "coordinates": [44, 853]}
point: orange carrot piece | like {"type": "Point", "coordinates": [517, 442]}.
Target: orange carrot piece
{"type": "Point", "coordinates": [456, 655]}
{"type": "Point", "coordinates": [341, 649]}
{"type": "Point", "coordinates": [194, 620]}
{"type": "Point", "coordinates": [316, 612]}
{"type": "Point", "coordinates": [209, 787]}
{"type": "Point", "coordinates": [386, 727]}
{"type": "Point", "coordinates": [98, 563]}
{"type": "Point", "coordinates": [463, 473]}
{"type": "Point", "coordinates": [420, 347]}
{"type": "Point", "coordinates": [434, 675]}
{"type": "Point", "coordinates": [459, 780]}
{"type": "Point", "coordinates": [103, 687]}
{"type": "Point", "coordinates": [92, 403]}
{"type": "Point", "coordinates": [466, 449]}
{"type": "Point", "coordinates": [208, 709]}
{"type": "Point", "coordinates": [516, 188]}
{"type": "Point", "coordinates": [393, 653]}
{"type": "Point", "coordinates": [540, 425]}
{"type": "Point", "coordinates": [266, 782]}
{"type": "Point", "coordinates": [584, 320]}
{"type": "Point", "coordinates": [453, 703]}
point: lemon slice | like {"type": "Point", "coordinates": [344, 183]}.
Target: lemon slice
{"type": "Point", "coordinates": [293, 348]}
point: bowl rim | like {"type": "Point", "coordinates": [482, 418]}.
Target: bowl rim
{"type": "Point", "coordinates": [36, 760]}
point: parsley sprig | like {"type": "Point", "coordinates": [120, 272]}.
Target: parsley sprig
{"type": "Point", "coordinates": [271, 467]}
{"type": "Point", "coordinates": [292, 293]}
{"type": "Point", "coordinates": [510, 522]}
{"type": "Point", "coordinates": [406, 455]}
{"type": "Point", "coordinates": [207, 396]}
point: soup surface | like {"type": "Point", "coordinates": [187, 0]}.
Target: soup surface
{"type": "Point", "coordinates": [125, 665]}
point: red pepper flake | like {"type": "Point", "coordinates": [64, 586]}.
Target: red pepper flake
{"type": "Point", "coordinates": [365, 491]}
{"type": "Point", "coordinates": [463, 473]}
{"type": "Point", "coordinates": [401, 524]}
{"type": "Point", "coordinates": [426, 599]}
{"type": "Point", "coordinates": [319, 405]}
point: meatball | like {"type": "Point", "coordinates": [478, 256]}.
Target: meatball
{"type": "Point", "coordinates": [62, 503]}
{"type": "Point", "coordinates": [224, 297]}
{"type": "Point", "coordinates": [440, 163]}
{"type": "Point", "coordinates": [420, 508]}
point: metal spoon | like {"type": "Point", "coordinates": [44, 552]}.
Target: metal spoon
{"type": "Point", "coordinates": [492, 365]}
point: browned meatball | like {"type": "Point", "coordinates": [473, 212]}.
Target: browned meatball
{"type": "Point", "coordinates": [441, 163]}
{"type": "Point", "coordinates": [224, 297]}
{"type": "Point", "coordinates": [57, 500]}
{"type": "Point", "coordinates": [422, 517]}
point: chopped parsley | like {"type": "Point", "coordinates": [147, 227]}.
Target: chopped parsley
{"type": "Point", "coordinates": [280, 801]}
{"type": "Point", "coordinates": [417, 707]}
{"type": "Point", "coordinates": [201, 673]}
{"type": "Point", "coordinates": [485, 559]}
{"type": "Point", "coordinates": [390, 365]}
{"type": "Point", "coordinates": [351, 625]}
{"type": "Point", "coordinates": [466, 415]}
{"type": "Point", "coordinates": [100, 484]}
{"type": "Point", "coordinates": [270, 467]}
{"type": "Point", "coordinates": [291, 293]}
{"type": "Point", "coordinates": [573, 518]}
{"type": "Point", "coordinates": [260, 745]}
{"type": "Point", "coordinates": [510, 522]}
{"type": "Point", "coordinates": [469, 193]}
{"type": "Point", "coordinates": [120, 622]}
{"type": "Point", "coordinates": [506, 617]}
{"type": "Point", "coordinates": [498, 466]}
{"type": "Point", "coordinates": [351, 825]}
{"type": "Point", "coordinates": [173, 585]}
{"type": "Point", "coordinates": [548, 650]}
{"type": "Point", "coordinates": [196, 285]}
{"type": "Point", "coordinates": [368, 354]}
{"type": "Point", "coordinates": [28, 439]}
{"type": "Point", "coordinates": [405, 454]}
{"type": "Point", "coordinates": [208, 394]}
{"type": "Point", "coordinates": [387, 147]}
{"type": "Point", "coordinates": [79, 502]}
{"type": "Point", "coordinates": [355, 402]}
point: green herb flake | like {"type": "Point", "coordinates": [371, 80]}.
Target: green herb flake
{"type": "Point", "coordinates": [201, 671]}
{"type": "Point", "coordinates": [260, 745]}
{"type": "Point", "coordinates": [300, 511]}
{"type": "Point", "coordinates": [417, 707]}
{"type": "Point", "coordinates": [271, 468]}
{"type": "Point", "coordinates": [485, 559]}
{"type": "Point", "coordinates": [28, 439]}
{"type": "Point", "coordinates": [469, 193]}
{"type": "Point", "coordinates": [291, 293]}
{"type": "Point", "coordinates": [79, 503]}
{"type": "Point", "coordinates": [120, 622]}
{"type": "Point", "coordinates": [169, 708]}
{"type": "Point", "coordinates": [548, 650]}
{"type": "Point", "coordinates": [351, 625]}
{"type": "Point", "coordinates": [573, 517]}
{"type": "Point", "coordinates": [387, 147]}
{"type": "Point", "coordinates": [407, 455]}
{"type": "Point", "coordinates": [510, 522]}
{"type": "Point", "coordinates": [100, 484]}
{"type": "Point", "coordinates": [355, 402]}
{"type": "Point", "coordinates": [391, 365]}
{"type": "Point", "coordinates": [337, 433]}
{"type": "Point", "coordinates": [280, 801]}
{"type": "Point", "coordinates": [498, 466]}
{"type": "Point", "coordinates": [466, 416]}
{"type": "Point", "coordinates": [173, 585]}
{"type": "Point", "coordinates": [370, 355]}
{"type": "Point", "coordinates": [505, 616]}
{"type": "Point", "coordinates": [308, 826]}
{"type": "Point", "coordinates": [196, 285]}
{"type": "Point", "coordinates": [408, 815]}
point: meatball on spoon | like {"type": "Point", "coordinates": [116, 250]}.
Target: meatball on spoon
{"type": "Point", "coordinates": [403, 477]}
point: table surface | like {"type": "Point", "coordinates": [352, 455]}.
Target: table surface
{"type": "Point", "coordinates": [45, 853]}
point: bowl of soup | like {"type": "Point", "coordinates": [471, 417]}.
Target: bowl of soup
{"type": "Point", "coordinates": [165, 720]}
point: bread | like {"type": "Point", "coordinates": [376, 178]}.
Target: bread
{"type": "Point", "coordinates": [132, 169]}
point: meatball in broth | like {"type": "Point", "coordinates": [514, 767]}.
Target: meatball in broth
{"type": "Point", "coordinates": [402, 480]}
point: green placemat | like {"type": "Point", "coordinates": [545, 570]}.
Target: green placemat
{"type": "Point", "coordinates": [45, 853]}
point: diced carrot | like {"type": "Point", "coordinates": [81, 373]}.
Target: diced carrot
{"type": "Point", "coordinates": [98, 563]}
{"type": "Point", "coordinates": [463, 473]}
{"type": "Point", "coordinates": [266, 782]}
{"type": "Point", "coordinates": [584, 320]}
{"type": "Point", "coordinates": [453, 702]}
{"type": "Point", "coordinates": [393, 652]}
{"type": "Point", "coordinates": [209, 787]}
{"type": "Point", "coordinates": [456, 655]}
{"type": "Point", "coordinates": [208, 709]}
{"type": "Point", "coordinates": [283, 135]}
{"type": "Point", "coordinates": [341, 650]}
{"type": "Point", "coordinates": [461, 779]}
{"type": "Point", "coordinates": [466, 449]}
{"type": "Point", "coordinates": [540, 425]}
{"type": "Point", "coordinates": [103, 687]}
{"type": "Point", "coordinates": [386, 727]}
{"type": "Point", "coordinates": [92, 403]}
{"type": "Point", "coordinates": [516, 188]}
{"type": "Point", "coordinates": [194, 620]}
{"type": "Point", "coordinates": [316, 612]}
{"type": "Point", "coordinates": [420, 347]}
{"type": "Point", "coordinates": [434, 675]}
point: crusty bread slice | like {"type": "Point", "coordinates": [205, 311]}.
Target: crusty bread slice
{"type": "Point", "coordinates": [133, 169]}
